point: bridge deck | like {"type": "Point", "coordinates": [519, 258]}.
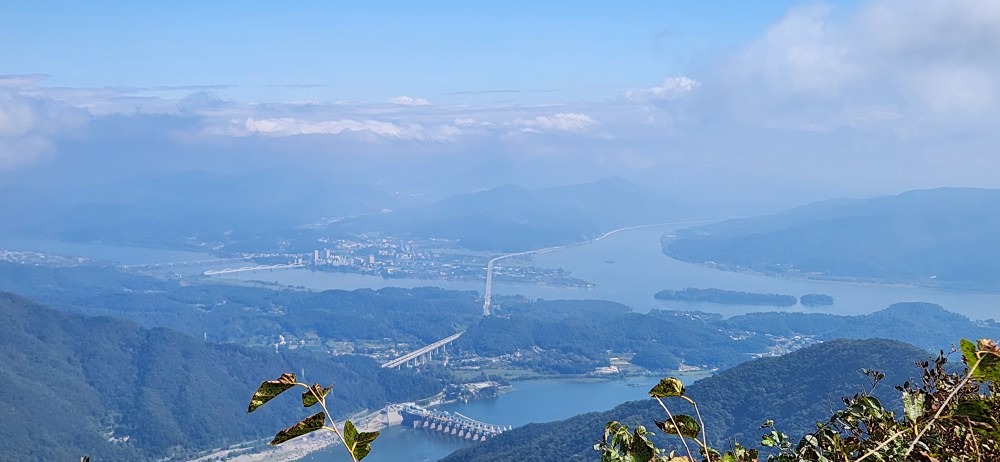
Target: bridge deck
{"type": "Point", "coordinates": [422, 351]}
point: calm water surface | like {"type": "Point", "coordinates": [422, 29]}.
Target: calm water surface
{"type": "Point", "coordinates": [528, 402]}
{"type": "Point", "coordinates": [628, 267]}
{"type": "Point", "coordinates": [101, 252]}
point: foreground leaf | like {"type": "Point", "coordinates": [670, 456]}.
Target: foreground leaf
{"type": "Point", "coordinates": [667, 387]}
{"type": "Point", "coordinates": [989, 366]}
{"type": "Point", "coordinates": [308, 425]}
{"type": "Point", "coordinates": [309, 397]}
{"type": "Point", "coordinates": [360, 444]}
{"type": "Point", "coordinates": [914, 404]}
{"type": "Point", "coordinates": [269, 389]}
{"type": "Point", "coordinates": [686, 426]}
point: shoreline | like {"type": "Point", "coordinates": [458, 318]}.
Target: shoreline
{"type": "Point", "coordinates": [295, 449]}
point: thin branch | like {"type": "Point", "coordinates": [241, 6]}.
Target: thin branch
{"type": "Point", "coordinates": [704, 437]}
{"type": "Point", "coordinates": [883, 444]}
{"type": "Point", "coordinates": [937, 414]}
{"type": "Point", "coordinates": [683, 441]}
{"type": "Point", "coordinates": [333, 424]}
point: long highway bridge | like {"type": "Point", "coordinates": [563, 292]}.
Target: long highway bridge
{"type": "Point", "coordinates": [252, 269]}
{"type": "Point", "coordinates": [423, 354]}
{"type": "Point", "coordinates": [183, 264]}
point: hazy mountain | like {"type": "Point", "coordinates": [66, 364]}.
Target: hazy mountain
{"type": "Point", "coordinates": [183, 209]}
{"type": "Point", "coordinates": [76, 385]}
{"type": "Point", "coordinates": [939, 236]}
{"type": "Point", "coordinates": [513, 218]}
{"type": "Point", "coordinates": [795, 390]}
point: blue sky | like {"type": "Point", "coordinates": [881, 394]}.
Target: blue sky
{"type": "Point", "coordinates": [836, 98]}
{"type": "Point", "coordinates": [376, 50]}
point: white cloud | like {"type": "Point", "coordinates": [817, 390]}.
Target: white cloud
{"type": "Point", "coordinates": [671, 88]}
{"type": "Point", "coordinates": [407, 101]}
{"type": "Point", "coordinates": [803, 53]}
{"type": "Point", "coordinates": [931, 63]}
{"type": "Point", "coordinates": [287, 126]}
{"type": "Point", "coordinates": [562, 121]}
{"type": "Point", "coordinates": [21, 80]}
{"type": "Point", "coordinates": [28, 126]}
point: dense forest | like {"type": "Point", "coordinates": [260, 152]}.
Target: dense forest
{"type": "Point", "coordinates": [569, 336]}
{"type": "Point", "coordinates": [796, 390]}
{"type": "Point", "coordinates": [76, 385]}
{"type": "Point", "coordinates": [247, 315]}
{"type": "Point", "coordinates": [726, 297]}
{"type": "Point", "coordinates": [576, 336]}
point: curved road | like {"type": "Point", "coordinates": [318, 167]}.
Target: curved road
{"type": "Point", "coordinates": [489, 266]}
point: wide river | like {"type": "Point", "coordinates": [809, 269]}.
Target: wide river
{"type": "Point", "coordinates": [628, 267]}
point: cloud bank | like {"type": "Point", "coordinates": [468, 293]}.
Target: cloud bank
{"type": "Point", "coordinates": [889, 94]}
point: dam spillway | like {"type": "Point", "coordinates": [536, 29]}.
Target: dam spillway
{"type": "Point", "coordinates": [448, 423]}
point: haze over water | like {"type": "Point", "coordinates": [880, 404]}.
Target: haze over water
{"type": "Point", "coordinates": [629, 267]}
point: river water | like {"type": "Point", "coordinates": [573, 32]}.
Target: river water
{"type": "Point", "coordinates": [628, 267]}
{"type": "Point", "coordinates": [529, 401]}
{"type": "Point", "coordinates": [102, 252]}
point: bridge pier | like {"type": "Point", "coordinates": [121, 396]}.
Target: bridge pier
{"type": "Point", "coordinates": [423, 355]}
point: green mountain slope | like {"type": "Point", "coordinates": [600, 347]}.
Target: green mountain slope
{"type": "Point", "coordinates": [76, 385]}
{"type": "Point", "coordinates": [941, 236]}
{"type": "Point", "coordinates": [796, 390]}
{"type": "Point", "coordinates": [575, 336]}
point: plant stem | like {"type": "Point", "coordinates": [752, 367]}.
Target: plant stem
{"type": "Point", "coordinates": [704, 437]}
{"type": "Point", "coordinates": [882, 445]}
{"type": "Point", "coordinates": [683, 441]}
{"type": "Point", "coordinates": [333, 424]}
{"type": "Point", "coordinates": [941, 409]}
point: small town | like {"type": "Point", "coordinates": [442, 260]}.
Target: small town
{"type": "Point", "coordinates": [431, 259]}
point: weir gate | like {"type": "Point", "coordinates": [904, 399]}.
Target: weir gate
{"type": "Point", "coordinates": [454, 424]}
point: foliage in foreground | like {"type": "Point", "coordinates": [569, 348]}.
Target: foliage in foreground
{"type": "Point", "coordinates": [358, 444]}
{"type": "Point", "coordinates": [946, 417]}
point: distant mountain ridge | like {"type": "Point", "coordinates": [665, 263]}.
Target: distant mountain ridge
{"type": "Point", "coordinates": [796, 390]}
{"type": "Point", "coordinates": [945, 236]}
{"type": "Point", "coordinates": [513, 218]}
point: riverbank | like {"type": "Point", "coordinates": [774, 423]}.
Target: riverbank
{"type": "Point", "coordinates": [297, 448]}
{"type": "Point", "coordinates": [525, 401]}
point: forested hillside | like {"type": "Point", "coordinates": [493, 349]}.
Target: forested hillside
{"type": "Point", "coordinates": [247, 315]}
{"type": "Point", "coordinates": [796, 390]}
{"type": "Point", "coordinates": [76, 385]}
{"type": "Point", "coordinates": [576, 336]}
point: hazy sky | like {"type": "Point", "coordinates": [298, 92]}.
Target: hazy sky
{"type": "Point", "coordinates": [862, 96]}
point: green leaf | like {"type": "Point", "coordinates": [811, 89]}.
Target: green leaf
{"type": "Point", "coordinates": [309, 396]}
{"type": "Point", "coordinates": [989, 367]}
{"type": "Point", "coordinates": [269, 389]}
{"type": "Point", "coordinates": [686, 426]}
{"type": "Point", "coordinates": [308, 425]}
{"type": "Point", "coordinates": [968, 352]}
{"type": "Point", "coordinates": [360, 444]}
{"type": "Point", "coordinates": [914, 404]}
{"type": "Point", "coordinates": [667, 387]}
